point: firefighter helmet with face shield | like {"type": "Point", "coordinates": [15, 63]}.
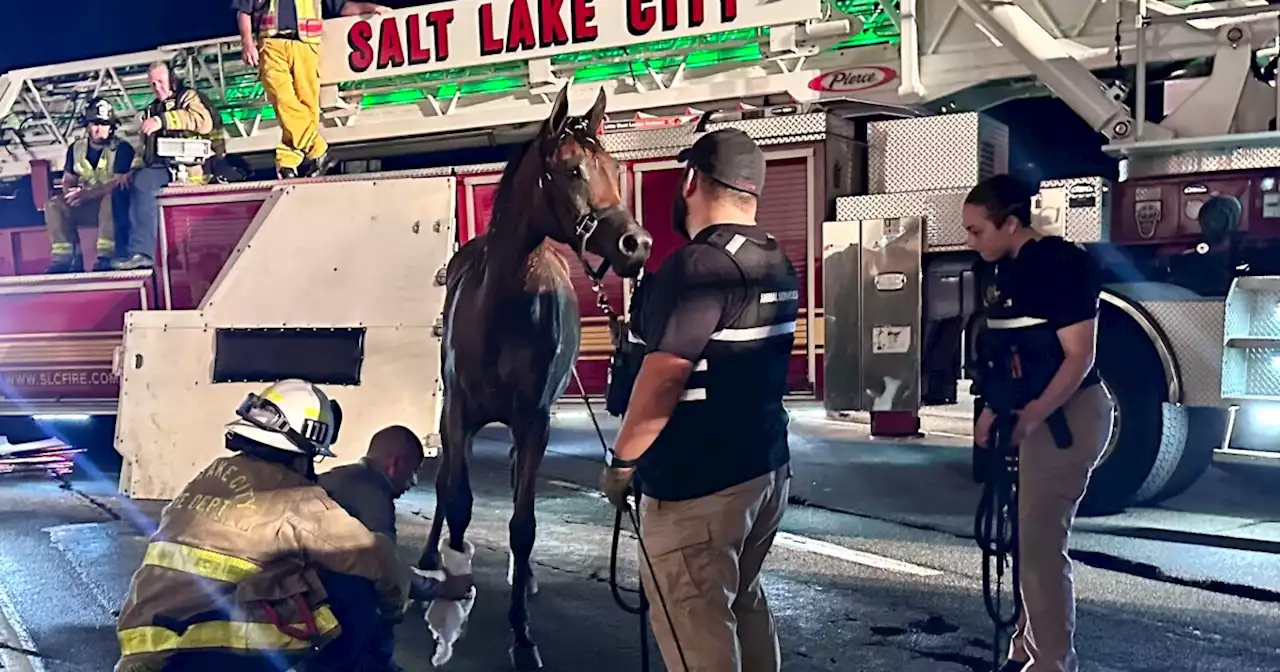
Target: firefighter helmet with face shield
{"type": "Point", "coordinates": [291, 415]}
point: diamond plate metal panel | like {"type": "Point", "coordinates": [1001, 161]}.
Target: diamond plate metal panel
{"type": "Point", "coordinates": [1194, 329]}
{"type": "Point", "coordinates": [953, 151]}
{"type": "Point", "coordinates": [674, 139]}
{"type": "Point", "coordinates": [1187, 162]}
{"type": "Point", "coordinates": [1252, 369]}
{"type": "Point", "coordinates": [943, 228]}
{"type": "Point", "coordinates": [1252, 306]}
{"type": "Point", "coordinates": [1255, 373]}
{"type": "Point", "coordinates": [1078, 209]}
{"type": "Point", "coordinates": [480, 168]}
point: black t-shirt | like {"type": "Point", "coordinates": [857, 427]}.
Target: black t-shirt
{"type": "Point", "coordinates": [123, 161]}
{"type": "Point", "coordinates": [698, 291]}
{"type": "Point", "coordinates": [697, 288]}
{"type": "Point", "coordinates": [1054, 280]}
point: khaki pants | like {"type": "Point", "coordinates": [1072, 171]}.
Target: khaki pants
{"type": "Point", "coordinates": [290, 74]}
{"type": "Point", "coordinates": [1051, 484]}
{"type": "Point", "coordinates": [63, 223]}
{"type": "Point", "coordinates": [707, 554]}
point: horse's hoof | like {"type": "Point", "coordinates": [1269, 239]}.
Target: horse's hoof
{"type": "Point", "coordinates": [525, 658]}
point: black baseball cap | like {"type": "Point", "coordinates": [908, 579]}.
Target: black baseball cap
{"type": "Point", "coordinates": [729, 157]}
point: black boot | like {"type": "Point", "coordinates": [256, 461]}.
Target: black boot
{"type": "Point", "coordinates": [320, 166]}
{"type": "Point", "coordinates": [69, 264]}
{"type": "Point", "coordinates": [103, 264]}
{"type": "Point", "coordinates": [286, 173]}
{"type": "Point", "coordinates": [63, 265]}
{"type": "Point", "coordinates": [133, 263]}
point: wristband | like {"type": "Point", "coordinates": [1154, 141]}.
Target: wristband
{"type": "Point", "coordinates": [613, 462]}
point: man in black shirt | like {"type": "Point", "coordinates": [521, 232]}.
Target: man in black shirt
{"type": "Point", "coordinates": [706, 432]}
{"type": "Point", "coordinates": [1040, 338]}
{"type": "Point", "coordinates": [367, 490]}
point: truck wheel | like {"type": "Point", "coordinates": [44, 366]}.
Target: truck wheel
{"type": "Point", "coordinates": [1206, 427]}
{"type": "Point", "coordinates": [1148, 435]}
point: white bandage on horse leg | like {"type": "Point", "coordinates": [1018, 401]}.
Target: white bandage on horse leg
{"type": "Point", "coordinates": [511, 573]}
{"type": "Point", "coordinates": [446, 619]}
{"type": "Point", "coordinates": [455, 563]}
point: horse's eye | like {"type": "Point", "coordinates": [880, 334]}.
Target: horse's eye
{"type": "Point", "coordinates": [578, 173]}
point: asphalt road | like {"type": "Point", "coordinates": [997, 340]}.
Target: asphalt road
{"type": "Point", "coordinates": [866, 593]}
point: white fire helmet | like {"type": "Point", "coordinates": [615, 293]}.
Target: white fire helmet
{"type": "Point", "coordinates": [292, 415]}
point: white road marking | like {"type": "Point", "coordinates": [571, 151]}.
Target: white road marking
{"type": "Point", "coordinates": [805, 544]}
{"type": "Point", "coordinates": [13, 633]}
{"type": "Point", "coordinates": [799, 543]}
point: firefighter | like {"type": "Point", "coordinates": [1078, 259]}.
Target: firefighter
{"type": "Point", "coordinates": [705, 431]}
{"type": "Point", "coordinates": [367, 490]}
{"type": "Point", "coordinates": [1040, 337]}
{"type": "Point", "coordinates": [176, 112]}
{"type": "Point", "coordinates": [244, 570]}
{"type": "Point", "coordinates": [95, 166]}
{"type": "Point", "coordinates": [286, 52]}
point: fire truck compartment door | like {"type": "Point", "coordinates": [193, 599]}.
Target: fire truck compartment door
{"type": "Point", "coordinates": [873, 313]}
{"type": "Point", "coordinates": [335, 282]}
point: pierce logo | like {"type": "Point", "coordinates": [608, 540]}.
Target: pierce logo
{"type": "Point", "coordinates": [853, 79]}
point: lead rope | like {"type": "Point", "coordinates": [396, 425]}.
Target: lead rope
{"type": "Point", "coordinates": [602, 300]}
{"type": "Point", "coordinates": [996, 530]}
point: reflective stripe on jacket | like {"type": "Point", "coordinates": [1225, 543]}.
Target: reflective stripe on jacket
{"type": "Point", "coordinates": [310, 20]}
{"type": "Point", "coordinates": [184, 115]}
{"type": "Point", "coordinates": [93, 175]}
{"type": "Point", "coordinates": [234, 567]}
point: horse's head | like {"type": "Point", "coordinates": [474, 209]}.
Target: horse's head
{"type": "Point", "coordinates": [584, 191]}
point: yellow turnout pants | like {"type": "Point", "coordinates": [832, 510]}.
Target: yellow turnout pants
{"type": "Point", "coordinates": [290, 74]}
{"type": "Point", "coordinates": [63, 222]}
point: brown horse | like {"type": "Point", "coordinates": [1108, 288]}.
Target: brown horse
{"type": "Point", "coordinates": [512, 326]}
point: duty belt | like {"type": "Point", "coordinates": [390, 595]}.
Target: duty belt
{"type": "Point", "coordinates": [1007, 386]}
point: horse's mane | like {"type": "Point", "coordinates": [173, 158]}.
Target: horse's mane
{"type": "Point", "coordinates": [504, 199]}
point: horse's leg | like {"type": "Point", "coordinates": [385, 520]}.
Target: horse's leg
{"type": "Point", "coordinates": [511, 555]}
{"type": "Point", "coordinates": [430, 558]}
{"type": "Point", "coordinates": [454, 500]}
{"type": "Point", "coordinates": [531, 438]}
{"type": "Point", "coordinates": [447, 614]}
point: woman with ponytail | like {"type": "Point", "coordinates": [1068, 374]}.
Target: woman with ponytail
{"type": "Point", "coordinates": [1041, 321]}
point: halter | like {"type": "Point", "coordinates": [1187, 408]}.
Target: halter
{"type": "Point", "coordinates": [587, 224]}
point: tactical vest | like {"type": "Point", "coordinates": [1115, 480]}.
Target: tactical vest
{"type": "Point", "coordinates": [90, 174]}
{"type": "Point", "coordinates": [731, 411]}
{"type": "Point", "coordinates": [1019, 354]}
{"type": "Point", "coordinates": [308, 12]}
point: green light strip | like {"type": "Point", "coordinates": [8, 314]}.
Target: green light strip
{"type": "Point", "coordinates": [245, 102]}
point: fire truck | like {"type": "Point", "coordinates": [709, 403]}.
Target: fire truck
{"type": "Point", "coordinates": [869, 112]}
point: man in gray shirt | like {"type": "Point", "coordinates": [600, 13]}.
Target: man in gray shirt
{"type": "Point", "coordinates": [367, 490]}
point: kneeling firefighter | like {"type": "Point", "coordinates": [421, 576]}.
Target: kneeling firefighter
{"type": "Point", "coordinates": [1043, 400]}
{"type": "Point", "coordinates": [240, 574]}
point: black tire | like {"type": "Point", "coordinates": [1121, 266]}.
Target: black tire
{"type": "Point", "coordinates": [1206, 427]}
{"type": "Point", "coordinates": [1149, 443]}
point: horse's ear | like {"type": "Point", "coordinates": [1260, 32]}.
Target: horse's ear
{"type": "Point", "coordinates": [559, 114]}
{"type": "Point", "coordinates": [596, 116]}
